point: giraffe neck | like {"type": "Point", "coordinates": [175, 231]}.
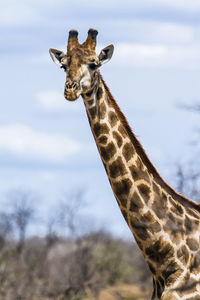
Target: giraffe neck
{"type": "Point", "coordinates": [129, 177]}
{"type": "Point", "coordinates": [158, 217]}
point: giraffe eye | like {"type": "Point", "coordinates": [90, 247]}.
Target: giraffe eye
{"type": "Point", "coordinates": [93, 66]}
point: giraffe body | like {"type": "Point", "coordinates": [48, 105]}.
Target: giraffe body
{"type": "Point", "coordinates": [165, 224]}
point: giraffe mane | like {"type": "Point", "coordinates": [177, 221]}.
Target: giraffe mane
{"type": "Point", "coordinates": [140, 150]}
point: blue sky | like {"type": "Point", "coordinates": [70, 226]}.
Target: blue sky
{"type": "Point", "coordinates": [45, 142]}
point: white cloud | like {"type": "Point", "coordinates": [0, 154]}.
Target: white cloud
{"type": "Point", "coordinates": [22, 140]}
{"type": "Point", "coordinates": [52, 100]}
{"type": "Point", "coordinates": [169, 32]}
{"type": "Point", "coordinates": [16, 13]}
{"type": "Point", "coordinates": [25, 12]}
{"type": "Point", "coordinates": [189, 6]}
{"type": "Point", "coordinates": [157, 56]}
{"type": "Point", "coordinates": [48, 176]}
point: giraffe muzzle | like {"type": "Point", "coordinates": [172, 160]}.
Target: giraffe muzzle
{"type": "Point", "coordinates": [72, 90]}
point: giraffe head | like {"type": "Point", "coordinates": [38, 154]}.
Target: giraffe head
{"type": "Point", "coordinates": [80, 63]}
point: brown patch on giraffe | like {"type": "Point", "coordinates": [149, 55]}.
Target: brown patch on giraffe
{"type": "Point", "coordinates": [122, 131]}
{"type": "Point", "coordinates": [135, 203]}
{"type": "Point", "coordinates": [139, 228]}
{"type": "Point", "coordinates": [195, 264]}
{"type": "Point", "coordinates": [147, 218]}
{"type": "Point", "coordinates": [160, 205]}
{"type": "Point", "coordinates": [103, 139]}
{"type": "Point", "coordinates": [144, 191]}
{"type": "Point", "coordinates": [93, 112]}
{"type": "Point", "coordinates": [191, 225]}
{"type": "Point", "coordinates": [160, 251]}
{"type": "Point", "coordinates": [171, 272]}
{"type": "Point", "coordinates": [112, 118]}
{"type": "Point", "coordinates": [117, 168]}
{"type": "Point", "coordinates": [183, 254]}
{"type": "Point", "coordinates": [176, 207]}
{"type": "Point", "coordinates": [174, 227]}
{"type": "Point", "coordinates": [107, 152]}
{"type": "Point", "coordinates": [192, 244]}
{"type": "Point", "coordinates": [88, 95]}
{"type": "Point", "coordinates": [121, 189]}
{"type": "Point", "coordinates": [128, 151]}
{"type": "Point", "coordinates": [152, 225]}
{"type": "Point", "coordinates": [99, 93]}
{"type": "Point", "coordinates": [100, 129]}
{"type": "Point", "coordinates": [102, 111]}
{"type": "Point", "coordinates": [142, 172]}
{"type": "Point", "coordinates": [137, 173]}
{"type": "Point", "coordinates": [118, 138]}
{"type": "Point", "coordinates": [90, 102]}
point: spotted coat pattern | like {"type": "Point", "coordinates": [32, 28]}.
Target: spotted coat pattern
{"type": "Point", "coordinates": [166, 225]}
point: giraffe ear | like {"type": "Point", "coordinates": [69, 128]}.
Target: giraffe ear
{"type": "Point", "coordinates": [56, 56]}
{"type": "Point", "coordinates": [106, 54]}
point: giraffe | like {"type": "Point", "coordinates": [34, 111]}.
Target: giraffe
{"type": "Point", "coordinates": [165, 224]}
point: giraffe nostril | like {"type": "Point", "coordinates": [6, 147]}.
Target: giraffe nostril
{"type": "Point", "coordinates": [72, 85]}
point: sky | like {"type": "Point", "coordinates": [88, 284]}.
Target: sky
{"type": "Point", "coordinates": [46, 145]}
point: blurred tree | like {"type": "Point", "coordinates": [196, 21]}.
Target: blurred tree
{"type": "Point", "coordinates": [22, 212]}
{"type": "Point", "coordinates": [69, 213]}
{"type": "Point", "coordinates": [187, 173]}
{"type": "Point", "coordinates": [187, 178]}
{"type": "Point", "coordinates": [67, 266]}
{"type": "Point", "coordinates": [5, 228]}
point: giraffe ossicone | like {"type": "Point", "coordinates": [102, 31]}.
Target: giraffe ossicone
{"type": "Point", "coordinates": [165, 224]}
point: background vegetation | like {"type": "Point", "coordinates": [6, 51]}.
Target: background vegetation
{"type": "Point", "coordinates": [70, 260]}
{"type": "Point", "coordinates": [75, 265]}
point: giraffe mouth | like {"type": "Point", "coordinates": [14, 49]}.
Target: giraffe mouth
{"type": "Point", "coordinates": [71, 95]}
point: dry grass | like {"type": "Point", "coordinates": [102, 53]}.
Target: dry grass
{"type": "Point", "coordinates": [124, 292]}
